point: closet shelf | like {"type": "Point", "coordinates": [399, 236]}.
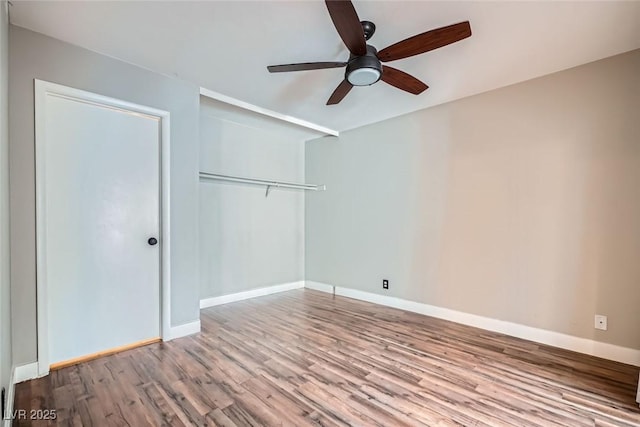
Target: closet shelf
{"type": "Point", "coordinates": [268, 183]}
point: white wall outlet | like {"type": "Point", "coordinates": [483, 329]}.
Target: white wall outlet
{"type": "Point", "coordinates": [601, 322]}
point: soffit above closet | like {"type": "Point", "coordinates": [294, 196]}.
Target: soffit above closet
{"type": "Point", "coordinates": [226, 46]}
{"type": "Point", "coordinates": [231, 113]}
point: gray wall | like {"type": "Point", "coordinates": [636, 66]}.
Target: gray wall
{"type": "Point", "coordinates": [5, 308]}
{"type": "Point", "coordinates": [520, 204]}
{"type": "Point", "coordinates": [33, 56]}
{"type": "Point", "coordinates": [249, 241]}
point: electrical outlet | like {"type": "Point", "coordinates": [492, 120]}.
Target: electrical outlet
{"type": "Point", "coordinates": [385, 284]}
{"type": "Point", "coordinates": [601, 322]}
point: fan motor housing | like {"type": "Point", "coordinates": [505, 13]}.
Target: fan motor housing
{"type": "Point", "coordinates": [364, 70]}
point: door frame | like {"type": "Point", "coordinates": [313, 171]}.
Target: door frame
{"type": "Point", "coordinates": [42, 89]}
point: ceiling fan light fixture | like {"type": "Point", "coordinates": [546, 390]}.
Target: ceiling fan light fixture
{"type": "Point", "coordinates": [364, 67]}
{"type": "Point", "coordinates": [364, 70]}
{"type": "Point", "coordinates": [363, 76]}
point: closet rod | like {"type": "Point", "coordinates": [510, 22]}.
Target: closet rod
{"type": "Point", "coordinates": [276, 184]}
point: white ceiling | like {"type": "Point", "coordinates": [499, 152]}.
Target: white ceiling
{"type": "Point", "coordinates": [226, 46]}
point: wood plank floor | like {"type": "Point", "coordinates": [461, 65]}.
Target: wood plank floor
{"type": "Point", "coordinates": [306, 358]}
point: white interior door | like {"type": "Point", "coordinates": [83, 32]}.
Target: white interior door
{"type": "Point", "coordinates": [99, 204]}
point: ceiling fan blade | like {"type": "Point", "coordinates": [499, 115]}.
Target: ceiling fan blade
{"type": "Point", "coordinates": [346, 21]}
{"type": "Point", "coordinates": [304, 66]}
{"type": "Point", "coordinates": [425, 42]}
{"type": "Point", "coordinates": [341, 91]}
{"type": "Point", "coordinates": [402, 80]}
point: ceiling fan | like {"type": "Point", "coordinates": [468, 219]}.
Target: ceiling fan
{"type": "Point", "coordinates": [364, 66]}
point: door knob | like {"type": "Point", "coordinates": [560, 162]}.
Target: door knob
{"type": "Point", "coordinates": [152, 241]}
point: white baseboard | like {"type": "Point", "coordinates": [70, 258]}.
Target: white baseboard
{"type": "Point", "coordinates": [569, 342]}
{"type": "Point", "coordinates": [19, 374]}
{"type": "Point", "coordinates": [182, 331]}
{"type": "Point", "coordinates": [6, 422]}
{"type": "Point", "coordinates": [25, 372]}
{"type": "Point", "coordinates": [225, 299]}
{"type": "Point", "coordinates": [317, 286]}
